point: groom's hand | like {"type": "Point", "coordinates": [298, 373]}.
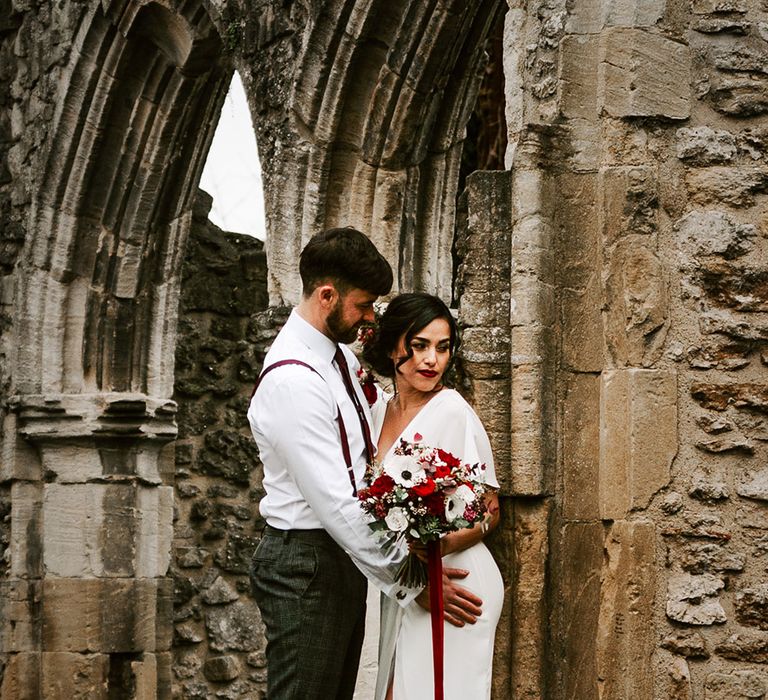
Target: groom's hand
{"type": "Point", "coordinates": [460, 606]}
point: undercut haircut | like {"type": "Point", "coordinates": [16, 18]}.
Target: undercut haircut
{"type": "Point", "coordinates": [347, 258]}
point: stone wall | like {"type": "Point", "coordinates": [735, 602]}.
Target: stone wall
{"type": "Point", "coordinates": [612, 288]}
{"type": "Point", "coordinates": [638, 250]}
{"type": "Point", "coordinates": [224, 330]}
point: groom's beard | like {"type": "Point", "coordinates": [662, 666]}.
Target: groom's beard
{"type": "Point", "coordinates": [340, 331]}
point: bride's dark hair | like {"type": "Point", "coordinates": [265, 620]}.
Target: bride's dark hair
{"type": "Point", "coordinates": [406, 314]}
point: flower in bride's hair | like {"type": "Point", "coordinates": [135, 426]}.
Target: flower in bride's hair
{"type": "Point", "coordinates": [405, 470]}
{"type": "Point", "coordinates": [397, 519]}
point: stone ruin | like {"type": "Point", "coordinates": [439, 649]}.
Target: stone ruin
{"type": "Point", "coordinates": [587, 180]}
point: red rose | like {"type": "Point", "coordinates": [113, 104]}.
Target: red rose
{"type": "Point", "coordinates": [441, 472]}
{"type": "Point", "coordinates": [435, 504]}
{"type": "Point", "coordinates": [449, 459]}
{"type": "Point", "coordinates": [383, 485]}
{"type": "Point", "coordinates": [424, 488]}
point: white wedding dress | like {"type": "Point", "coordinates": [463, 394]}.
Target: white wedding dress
{"type": "Point", "coordinates": [448, 422]}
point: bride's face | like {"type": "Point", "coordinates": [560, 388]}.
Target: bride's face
{"type": "Point", "coordinates": [431, 353]}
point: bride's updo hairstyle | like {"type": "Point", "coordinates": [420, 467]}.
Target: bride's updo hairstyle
{"type": "Point", "coordinates": [406, 314]}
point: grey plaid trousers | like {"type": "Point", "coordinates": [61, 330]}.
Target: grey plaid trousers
{"type": "Point", "coordinates": [312, 601]}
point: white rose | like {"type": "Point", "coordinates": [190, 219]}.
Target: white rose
{"type": "Point", "coordinates": [396, 520]}
{"type": "Point", "coordinates": [465, 493]}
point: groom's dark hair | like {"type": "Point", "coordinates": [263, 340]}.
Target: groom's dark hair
{"type": "Point", "coordinates": [347, 258]}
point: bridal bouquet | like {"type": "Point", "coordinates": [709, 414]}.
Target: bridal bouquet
{"type": "Point", "coordinates": [421, 493]}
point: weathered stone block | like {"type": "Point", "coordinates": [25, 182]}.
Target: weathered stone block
{"type": "Point", "coordinates": [719, 397]}
{"type": "Point", "coordinates": [691, 645]}
{"type": "Point", "coordinates": [643, 75]}
{"type": "Point", "coordinates": [486, 349]}
{"type": "Point", "coordinates": [744, 646]}
{"type": "Point", "coordinates": [72, 675]}
{"type": "Point", "coordinates": [694, 600]}
{"type": "Point", "coordinates": [26, 547]}
{"type": "Point", "coordinates": [19, 619]}
{"type": "Point", "coordinates": [532, 446]}
{"type": "Point", "coordinates": [578, 273]}
{"type": "Point", "coordinates": [147, 677]}
{"type": "Point", "coordinates": [74, 520]}
{"type": "Point", "coordinates": [703, 145]}
{"type": "Point", "coordinates": [21, 680]}
{"type": "Point", "coordinates": [219, 592]}
{"type": "Point", "coordinates": [713, 232]}
{"type": "Point", "coordinates": [581, 447]}
{"type": "Point", "coordinates": [752, 606]}
{"type": "Point", "coordinates": [591, 16]}
{"type": "Point", "coordinates": [638, 437]}
{"type": "Point", "coordinates": [154, 530]}
{"type": "Point", "coordinates": [527, 636]}
{"type": "Point", "coordinates": [721, 184]}
{"type": "Point", "coordinates": [676, 683]}
{"type": "Point", "coordinates": [236, 627]}
{"type": "Point", "coordinates": [736, 685]}
{"type": "Point", "coordinates": [628, 202]}
{"type": "Point", "coordinates": [491, 401]}
{"type": "Point", "coordinates": [221, 668]}
{"type": "Point", "coordinates": [625, 636]}
{"type": "Point", "coordinates": [578, 76]}
{"type": "Point", "coordinates": [19, 459]}
{"type": "Point", "coordinates": [753, 484]}
{"type": "Point", "coordinates": [581, 552]}
{"type": "Point", "coordinates": [636, 300]}
{"type": "Point", "coordinates": [99, 615]}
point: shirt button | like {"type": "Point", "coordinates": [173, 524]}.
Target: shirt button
{"type": "Point", "coordinates": [400, 595]}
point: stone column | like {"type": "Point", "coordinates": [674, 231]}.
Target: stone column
{"type": "Point", "coordinates": [87, 605]}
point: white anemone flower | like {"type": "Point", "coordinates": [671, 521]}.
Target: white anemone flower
{"type": "Point", "coordinates": [396, 520]}
{"type": "Point", "coordinates": [405, 470]}
{"type": "Point", "coordinates": [454, 507]}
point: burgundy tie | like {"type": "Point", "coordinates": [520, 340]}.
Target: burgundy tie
{"type": "Point", "coordinates": [341, 363]}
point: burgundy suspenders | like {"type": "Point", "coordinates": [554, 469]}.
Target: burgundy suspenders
{"type": "Point", "coordinates": [342, 428]}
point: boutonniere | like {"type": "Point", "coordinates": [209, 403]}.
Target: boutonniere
{"type": "Point", "coordinates": [365, 375]}
{"type": "Point", "coordinates": [368, 384]}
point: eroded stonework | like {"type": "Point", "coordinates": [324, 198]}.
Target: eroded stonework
{"type": "Point", "coordinates": [611, 284]}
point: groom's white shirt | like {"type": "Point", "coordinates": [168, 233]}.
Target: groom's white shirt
{"type": "Point", "coordinates": [293, 419]}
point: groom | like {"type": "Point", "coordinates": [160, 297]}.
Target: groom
{"type": "Point", "coordinates": [311, 423]}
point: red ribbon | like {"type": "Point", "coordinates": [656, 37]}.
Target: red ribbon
{"type": "Point", "coordinates": [435, 569]}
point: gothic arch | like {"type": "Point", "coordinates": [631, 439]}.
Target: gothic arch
{"type": "Point", "coordinates": [377, 112]}
{"type": "Point", "coordinates": [133, 109]}
{"type": "Point", "coordinates": [132, 127]}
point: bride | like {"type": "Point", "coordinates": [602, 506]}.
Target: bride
{"type": "Point", "coordinates": [415, 344]}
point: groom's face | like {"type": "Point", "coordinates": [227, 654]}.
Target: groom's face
{"type": "Point", "coordinates": [352, 310]}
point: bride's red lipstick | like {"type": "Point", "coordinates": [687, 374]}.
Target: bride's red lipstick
{"type": "Point", "coordinates": [428, 373]}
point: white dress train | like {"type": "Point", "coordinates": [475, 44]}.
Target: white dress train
{"type": "Point", "coordinates": [448, 422]}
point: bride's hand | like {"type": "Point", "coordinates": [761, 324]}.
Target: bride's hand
{"type": "Point", "coordinates": [460, 606]}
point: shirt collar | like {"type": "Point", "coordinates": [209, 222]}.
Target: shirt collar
{"type": "Point", "coordinates": [317, 342]}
